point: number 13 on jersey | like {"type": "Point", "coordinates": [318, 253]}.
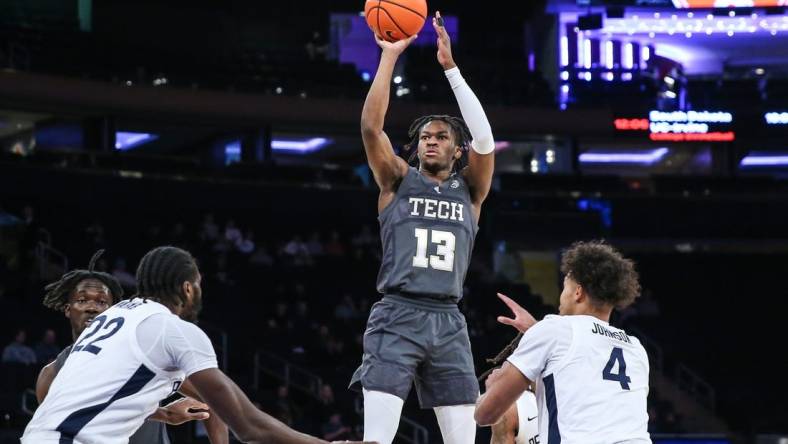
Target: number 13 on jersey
{"type": "Point", "coordinates": [443, 260]}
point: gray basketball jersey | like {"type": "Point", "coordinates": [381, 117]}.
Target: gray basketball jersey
{"type": "Point", "coordinates": [427, 232]}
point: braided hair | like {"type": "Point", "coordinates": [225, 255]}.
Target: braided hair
{"type": "Point", "coordinates": [498, 360]}
{"type": "Point", "coordinates": [162, 272]}
{"type": "Point", "coordinates": [58, 293]}
{"type": "Point", "coordinates": [460, 131]}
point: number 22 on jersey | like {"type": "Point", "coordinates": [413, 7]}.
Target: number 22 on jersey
{"type": "Point", "coordinates": [445, 241]}
{"type": "Point", "coordinates": [114, 324]}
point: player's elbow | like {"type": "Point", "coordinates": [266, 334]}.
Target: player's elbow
{"type": "Point", "coordinates": [484, 144]}
{"type": "Point", "coordinates": [484, 416]}
{"type": "Point", "coordinates": [251, 434]}
{"type": "Point", "coordinates": [369, 128]}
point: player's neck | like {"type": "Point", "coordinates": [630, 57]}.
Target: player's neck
{"type": "Point", "coordinates": [601, 314]}
{"type": "Point", "coordinates": [437, 176]}
{"type": "Point", "coordinates": [175, 309]}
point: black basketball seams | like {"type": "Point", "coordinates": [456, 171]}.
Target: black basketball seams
{"type": "Point", "coordinates": [403, 7]}
{"type": "Point", "coordinates": [390, 18]}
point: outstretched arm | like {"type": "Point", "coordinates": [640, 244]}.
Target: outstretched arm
{"type": "Point", "coordinates": [216, 428]}
{"type": "Point", "coordinates": [387, 167]}
{"type": "Point", "coordinates": [505, 430]}
{"type": "Point", "coordinates": [481, 159]}
{"type": "Point", "coordinates": [504, 386]}
{"type": "Point", "coordinates": [248, 423]}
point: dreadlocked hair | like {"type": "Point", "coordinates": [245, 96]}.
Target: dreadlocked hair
{"type": "Point", "coordinates": [460, 131]}
{"type": "Point", "coordinates": [498, 360]}
{"type": "Point", "coordinates": [162, 272]}
{"type": "Point", "coordinates": [58, 293]}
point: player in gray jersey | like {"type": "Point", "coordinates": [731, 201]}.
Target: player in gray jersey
{"type": "Point", "coordinates": [84, 294]}
{"type": "Point", "coordinates": [428, 221]}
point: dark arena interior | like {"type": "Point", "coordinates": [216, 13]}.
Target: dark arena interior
{"type": "Point", "coordinates": [231, 130]}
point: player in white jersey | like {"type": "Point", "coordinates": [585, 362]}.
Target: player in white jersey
{"type": "Point", "coordinates": [519, 425]}
{"type": "Point", "coordinates": [591, 377]}
{"type": "Point", "coordinates": [138, 352]}
{"type": "Point", "coordinates": [82, 295]}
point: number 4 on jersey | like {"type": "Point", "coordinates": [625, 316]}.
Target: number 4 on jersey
{"type": "Point", "coordinates": [617, 355]}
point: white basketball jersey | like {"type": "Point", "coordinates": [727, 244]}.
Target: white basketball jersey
{"type": "Point", "coordinates": [527, 420]}
{"type": "Point", "coordinates": [592, 381]}
{"type": "Point", "coordinates": [107, 387]}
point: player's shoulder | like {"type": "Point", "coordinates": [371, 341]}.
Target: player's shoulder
{"type": "Point", "coordinates": [556, 321]}
{"type": "Point", "coordinates": [553, 326]}
{"type": "Point", "coordinates": [188, 330]}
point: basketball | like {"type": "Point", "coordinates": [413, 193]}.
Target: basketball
{"type": "Point", "coordinates": [394, 20]}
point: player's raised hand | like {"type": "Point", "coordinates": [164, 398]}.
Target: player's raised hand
{"type": "Point", "coordinates": [397, 47]}
{"type": "Point", "coordinates": [522, 320]}
{"type": "Point", "coordinates": [444, 43]}
{"type": "Point", "coordinates": [185, 410]}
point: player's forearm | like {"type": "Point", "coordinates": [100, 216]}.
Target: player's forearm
{"type": "Point", "coordinates": [218, 433]}
{"type": "Point", "coordinates": [472, 112]}
{"type": "Point", "coordinates": [503, 431]}
{"type": "Point", "coordinates": [266, 429]}
{"type": "Point", "coordinates": [373, 114]}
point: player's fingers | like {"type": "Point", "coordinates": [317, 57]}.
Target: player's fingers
{"type": "Point", "coordinates": [197, 405]}
{"type": "Point", "coordinates": [200, 416]}
{"type": "Point", "coordinates": [506, 321]}
{"type": "Point", "coordinates": [509, 302]}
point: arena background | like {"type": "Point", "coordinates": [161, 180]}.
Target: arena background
{"type": "Point", "coordinates": [231, 129]}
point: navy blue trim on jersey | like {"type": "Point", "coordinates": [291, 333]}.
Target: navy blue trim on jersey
{"type": "Point", "coordinates": [76, 421]}
{"type": "Point", "coordinates": [553, 434]}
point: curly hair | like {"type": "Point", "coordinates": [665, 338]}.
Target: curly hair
{"type": "Point", "coordinates": [606, 276]}
{"type": "Point", "coordinates": [460, 131]}
{"type": "Point", "coordinates": [58, 293]}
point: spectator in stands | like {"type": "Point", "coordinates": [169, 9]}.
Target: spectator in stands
{"type": "Point", "coordinates": [315, 246]}
{"type": "Point", "coordinates": [47, 349]}
{"type": "Point", "coordinates": [365, 238]}
{"type": "Point", "coordinates": [231, 232]}
{"type": "Point", "coordinates": [17, 352]}
{"type": "Point", "coordinates": [96, 235]}
{"type": "Point", "coordinates": [209, 231]}
{"type": "Point", "coordinates": [316, 47]}
{"type": "Point", "coordinates": [297, 252]}
{"type": "Point", "coordinates": [126, 279]}
{"type": "Point", "coordinates": [262, 257]}
{"type": "Point", "coordinates": [178, 236]}
{"type": "Point", "coordinates": [246, 243]}
{"type": "Point", "coordinates": [334, 430]}
{"type": "Point", "coordinates": [346, 310]}
{"type": "Point", "coordinates": [334, 247]}
{"type": "Point", "coordinates": [286, 410]}
{"type": "Point", "coordinates": [29, 239]}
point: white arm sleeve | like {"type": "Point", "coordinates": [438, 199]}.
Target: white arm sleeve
{"type": "Point", "coordinates": [472, 112]}
{"type": "Point", "coordinates": [174, 344]}
{"type": "Point", "coordinates": [545, 343]}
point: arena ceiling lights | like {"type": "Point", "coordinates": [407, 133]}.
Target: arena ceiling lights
{"type": "Point", "coordinates": [705, 4]}
{"type": "Point", "coordinates": [125, 140]}
{"type": "Point", "coordinates": [696, 23]}
{"type": "Point", "coordinates": [764, 159]}
{"type": "Point", "coordinates": [645, 157]}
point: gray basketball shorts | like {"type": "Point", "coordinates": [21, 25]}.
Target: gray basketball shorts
{"type": "Point", "coordinates": [414, 340]}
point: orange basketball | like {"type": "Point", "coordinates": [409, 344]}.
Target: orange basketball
{"type": "Point", "coordinates": [394, 20]}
